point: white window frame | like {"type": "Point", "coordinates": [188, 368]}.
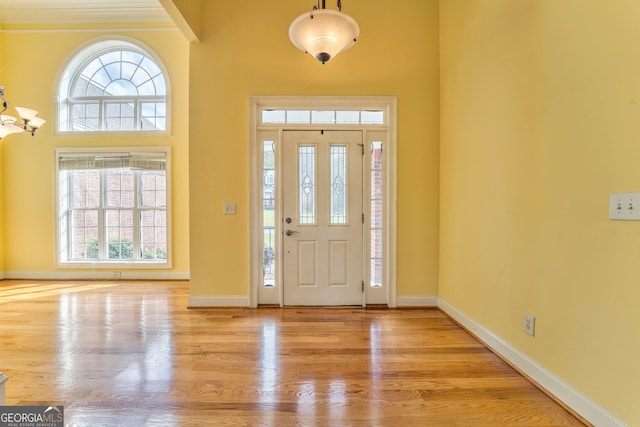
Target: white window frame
{"type": "Point", "coordinates": [76, 62]}
{"type": "Point", "coordinates": [61, 243]}
{"type": "Point", "coordinates": [259, 294]}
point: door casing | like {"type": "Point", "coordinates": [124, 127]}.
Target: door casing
{"type": "Point", "coordinates": [260, 132]}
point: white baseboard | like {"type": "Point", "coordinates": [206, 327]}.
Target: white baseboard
{"type": "Point", "coordinates": [219, 301]}
{"type": "Point", "coordinates": [243, 301]}
{"type": "Point", "coordinates": [417, 301]}
{"type": "Point", "coordinates": [96, 275]}
{"type": "Point", "coordinates": [571, 397]}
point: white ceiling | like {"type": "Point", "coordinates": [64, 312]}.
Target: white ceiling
{"type": "Point", "coordinates": [81, 11]}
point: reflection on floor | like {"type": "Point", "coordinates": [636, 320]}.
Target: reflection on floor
{"type": "Point", "coordinates": [131, 353]}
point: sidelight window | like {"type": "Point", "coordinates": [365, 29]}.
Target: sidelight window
{"type": "Point", "coordinates": [268, 213]}
{"type": "Point", "coordinates": [376, 209]}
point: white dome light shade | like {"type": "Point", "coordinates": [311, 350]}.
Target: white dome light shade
{"type": "Point", "coordinates": [36, 122]}
{"type": "Point", "coordinates": [9, 126]}
{"type": "Point", "coordinates": [324, 33]}
{"type": "Point", "coordinates": [26, 113]}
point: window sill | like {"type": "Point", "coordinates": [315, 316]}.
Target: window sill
{"type": "Point", "coordinates": [111, 265]}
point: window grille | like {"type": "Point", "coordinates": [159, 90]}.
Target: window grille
{"type": "Point", "coordinates": [113, 207]}
{"type": "Point", "coordinates": [113, 86]}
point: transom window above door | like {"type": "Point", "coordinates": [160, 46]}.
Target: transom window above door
{"type": "Point", "coordinates": [321, 117]}
{"type": "Point", "coordinates": [113, 86]}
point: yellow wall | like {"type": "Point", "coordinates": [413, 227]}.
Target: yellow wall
{"type": "Point", "coordinates": [32, 66]}
{"type": "Point", "coordinates": [540, 121]}
{"type": "Point", "coordinates": [245, 51]}
{"type": "Point", "coordinates": [538, 118]}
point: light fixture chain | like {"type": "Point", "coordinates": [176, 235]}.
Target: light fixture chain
{"type": "Point", "coordinates": [339, 5]}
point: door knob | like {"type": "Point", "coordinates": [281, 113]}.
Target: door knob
{"type": "Point", "coordinates": [290, 232]}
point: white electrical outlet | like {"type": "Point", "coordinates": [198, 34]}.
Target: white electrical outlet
{"type": "Point", "coordinates": [529, 323]}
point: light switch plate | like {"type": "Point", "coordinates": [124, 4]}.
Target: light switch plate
{"type": "Point", "coordinates": [529, 324]}
{"type": "Point", "coordinates": [624, 206]}
{"type": "Point", "coordinates": [229, 208]}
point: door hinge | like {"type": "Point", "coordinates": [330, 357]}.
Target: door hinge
{"type": "Point", "coordinates": [362, 288]}
{"type": "Point", "coordinates": [362, 147]}
{"type": "Point", "coordinates": [363, 217]}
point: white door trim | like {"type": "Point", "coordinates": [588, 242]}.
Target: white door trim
{"type": "Point", "coordinates": [258, 131]}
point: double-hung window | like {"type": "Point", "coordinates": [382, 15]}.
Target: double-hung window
{"type": "Point", "coordinates": [113, 206]}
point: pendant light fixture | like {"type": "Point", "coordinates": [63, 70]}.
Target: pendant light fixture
{"type": "Point", "coordinates": [27, 121]}
{"type": "Point", "coordinates": [323, 32]}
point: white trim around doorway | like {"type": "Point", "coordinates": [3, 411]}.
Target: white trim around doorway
{"type": "Point", "coordinates": [385, 294]}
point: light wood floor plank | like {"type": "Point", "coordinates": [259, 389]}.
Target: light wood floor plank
{"type": "Point", "coordinates": [131, 354]}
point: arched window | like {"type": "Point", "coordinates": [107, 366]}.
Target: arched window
{"type": "Point", "coordinates": [113, 85]}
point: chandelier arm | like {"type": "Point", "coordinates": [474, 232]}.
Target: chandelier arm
{"type": "Point", "coordinates": [27, 121]}
{"type": "Point", "coordinates": [5, 104]}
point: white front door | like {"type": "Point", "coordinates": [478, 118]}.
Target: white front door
{"type": "Point", "coordinates": [322, 217]}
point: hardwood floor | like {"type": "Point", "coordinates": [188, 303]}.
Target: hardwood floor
{"type": "Point", "coordinates": [131, 354]}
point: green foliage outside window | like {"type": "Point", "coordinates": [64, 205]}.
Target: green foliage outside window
{"type": "Point", "coordinates": [118, 249]}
